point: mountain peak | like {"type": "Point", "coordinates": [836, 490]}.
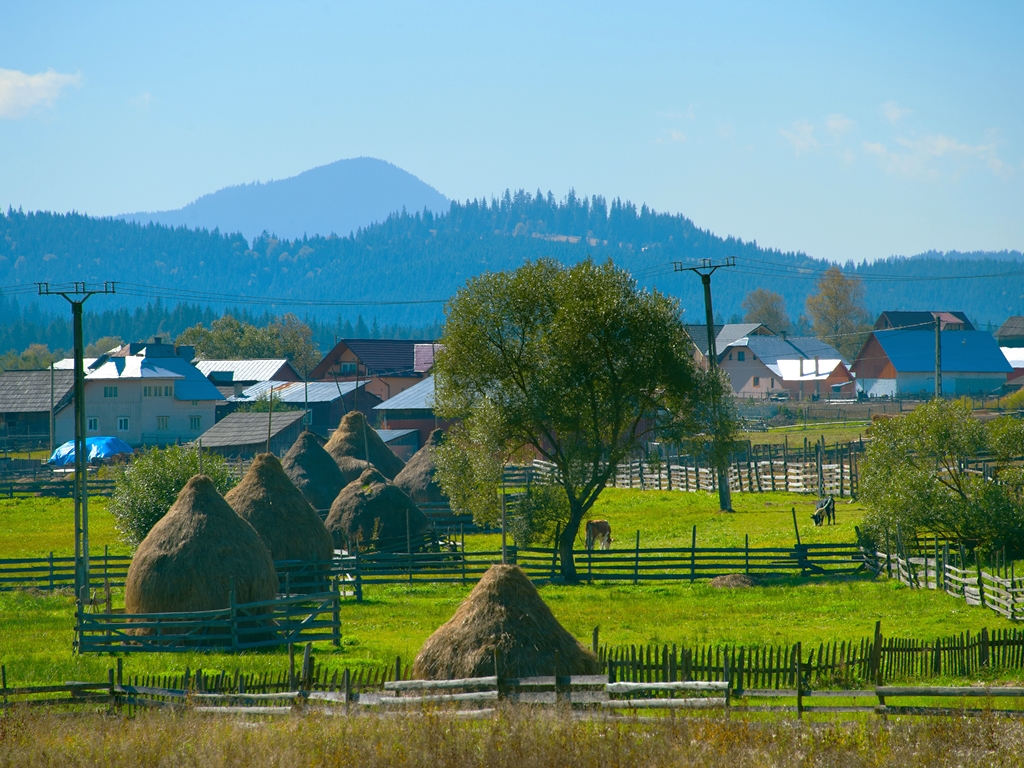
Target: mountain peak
{"type": "Point", "coordinates": [337, 198]}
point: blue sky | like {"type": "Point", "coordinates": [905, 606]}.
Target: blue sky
{"type": "Point", "coordinates": [850, 132]}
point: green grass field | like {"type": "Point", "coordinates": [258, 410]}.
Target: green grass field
{"type": "Point", "coordinates": [36, 629]}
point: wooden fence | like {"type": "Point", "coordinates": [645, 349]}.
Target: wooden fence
{"type": "Point", "coordinates": [816, 467]}
{"type": "Point", "coordinates": [455, 565]}
{"type": "Point", "coordinates": [875, 659]}
{"type": "Point", "coordinates": [947, 568]}
{"type": "Point", "coordinates": [241, 627]}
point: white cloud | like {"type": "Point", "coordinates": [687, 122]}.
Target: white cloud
{"type": "Point", "coordinates": [677, 136]}
{"type": "Point", "coordinates": [801, 137]}
{"type": "Point", "coordinates": [838, 124]}
{"type": "Point", "coordinates": [893, 112]}
{"type": "Point", "coordinates": [20, 92]}
{"type": "Point", "coordinates": [141, 101]}
{"type": "Point", "coordinates": [919, 155]}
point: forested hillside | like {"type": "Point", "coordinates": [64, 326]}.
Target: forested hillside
{"type": "Point", "coordinates": [422, 257]}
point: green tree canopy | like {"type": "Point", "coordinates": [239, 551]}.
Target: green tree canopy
{"type": "Point", "coordinates": [573, 364]}
{"type": "Point", "coordinates": [230, 339]}
{"type": "Point", "coordinates": [915, 476]}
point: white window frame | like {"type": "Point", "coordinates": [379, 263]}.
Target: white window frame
{"type": "Point", "coordinates": [92, 424]}
{"type": "Point", "coordinates": [195, 423]}
{"type": "Point", "coordinates": [163, 423]}
{"type": "Point", "coordinates": [123, 424]}
{"type": "Point", "coordinates": [110, 391]}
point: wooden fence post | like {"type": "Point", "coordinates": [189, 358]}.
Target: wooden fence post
{"type": "Point", "coordinates": [336, 614]}
{"type": "Point", "coordinates": [981, 583]}
{"type": "Point", "coordinates": [234, 617]}
{"type": "Point", "coordinates": [636, 560]}
{"type": "Point", "coordinates": [593, 642]}
{"type": "Point", "coordinates": [798, 663]}
{"type": "Point", "coordinates": [693, 555]}
{"type": "Point", "coordinates": [746, 553]}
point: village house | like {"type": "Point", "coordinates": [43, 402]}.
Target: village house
{"type": "Point", "coordinates": [901, 363]}
{"type": "Point", "coordinates": [390, 365]}
{"type": "Point", "coordinates": [25, 400]}
{"type": "Point", "coordinates": [800, 367]}
{"type": "Point", "coordinates": [145, 394]}
{"type": "Point", "coordinates": [724, 336]}
{"type": "Point", "coordinates": [412, 409]}
{"type": "Point", "coordinates": [922, 320]}
{"type": "Point", "coordinates": [243, 435]}
{"type": "Point", "coordinates": [232, 377]}
{"type": "Point", "coordinates": [1011, 333]}
{"type": "Point", "coordinates": [326, 401]}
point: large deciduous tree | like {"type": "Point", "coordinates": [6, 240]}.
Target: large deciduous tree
{"type": "Point", "coordinates": [837, 312]}
{"type": "Point", "coordinates": [915, 477]}
{"type": "Point", "coordinates": [768, 307]}
{"type": "Point", "coordinates": [573, 364]}
{"type": "Point", "coordinates": [229, 339]}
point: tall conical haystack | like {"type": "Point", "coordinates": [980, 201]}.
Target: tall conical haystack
{"type": "Point", "coordinates": [351, 468]}
{"type": "Point", "coordinates": [191, 556]}
{"type": "Point", "coordinates": [372, 506]}
{"type": "Point", "coordinates": [288, 525]}
{"type": "Point", "coordinates": [354, 438]}
{"type": "Point", "coordinates": [506, 612]}
{"type": "Point", "coordinates": [312, 470]}
{"type": "Point", "coordinates": [417, 479]}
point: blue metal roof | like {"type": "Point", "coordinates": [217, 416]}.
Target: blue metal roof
{"type": "Point", "coordinates": [417, 397]}
{"type": "Point", "coordinates": [962, 351]}
{"type": "Point", "coordinates": [296, 391]}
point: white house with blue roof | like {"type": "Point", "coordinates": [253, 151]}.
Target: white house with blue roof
{"type": "Point", "coordinates": [901, 363]}
{"type": "Point", "coordinates": [146, 394]}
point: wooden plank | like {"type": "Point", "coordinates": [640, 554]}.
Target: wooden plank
{"type": "Point", "coordinates": [688, 685]}
{"type": "Point", "coordinates": [438, 699]}
{"type": "Point", "coordinates": [955, 691]}
{"type": "Point", "coordinates": [688, 703]}
{"type": "Point", "coordinates": [426, 685]}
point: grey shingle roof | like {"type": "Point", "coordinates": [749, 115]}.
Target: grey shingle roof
{"type": "Point", "coordinates": [247, 428]}
{"type": "Point", "coordinates": [29, 391]}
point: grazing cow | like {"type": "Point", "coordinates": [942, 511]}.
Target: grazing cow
{"type": "Point", "coordinates": [825, 510]}
{"type": "Point", "coordinates": [599, 532]}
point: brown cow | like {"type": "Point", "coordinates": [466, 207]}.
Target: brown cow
{"type": "Point", "coordinates": [599, 532]}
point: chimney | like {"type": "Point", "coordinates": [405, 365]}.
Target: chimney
{"type": "Point", "coordinates": [783, 335]}
{"type": "Point", "coordinates": [801, 366]}
{"type": "Point", "coordinates": [815, 365]}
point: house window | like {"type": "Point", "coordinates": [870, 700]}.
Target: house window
{"type": "Point", "coordinates": [195, 402]}
{"type": "Point", "coordinates": [730, 355]}
{"type": "Point", "coordinates": [348, 368]}
{"type": "Point", "coordinates": [122, 423]}
{"type": "Point", "coordinates": [741, 356]}
{"type": "Point", "coordinates": [773, 383]}
{"type": "Point", "coordinates": [167, 391]}
{"type": "Point", "coordinates": [92, 424]}
{"type": "Point", "coordinates": [757, 381]}
{"type": "Point", "coordinates": [195, 423]}
{"type": "Point", "coordinates": [161, 423]}
{"type": "Point", "coordinates": [110, 391]}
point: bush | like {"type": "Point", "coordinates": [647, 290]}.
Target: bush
{"type": "Point", "coordinates": [533, 516]}
{"type": "Point", "coordinates": [148, 486]}
{"type": "Point", "coordinates": [914, 477]}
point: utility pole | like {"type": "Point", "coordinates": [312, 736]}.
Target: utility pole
{"type": "Point", "coordinates": [938, 357]}
{"type": "Point", "coordinates": [706, 269]}
{"type": "Point", "coordinates": [76, 295]}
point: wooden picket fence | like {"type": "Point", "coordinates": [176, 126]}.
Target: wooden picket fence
{"type": "Point", "coordinates": [946, 567]}
{"type": "Point", "coordinates": [816, 467]}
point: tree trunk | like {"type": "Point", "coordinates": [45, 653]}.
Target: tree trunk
{"type": "Point", "coordinates": [565, 545]}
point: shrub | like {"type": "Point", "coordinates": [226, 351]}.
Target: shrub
{"type": "Point", "coordinates": [534, 515]}
{"type": "Point", "coordinates": [148, 486]}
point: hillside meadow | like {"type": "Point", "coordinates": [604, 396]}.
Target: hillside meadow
{"type": "Point", "coordinates": [394, 620]}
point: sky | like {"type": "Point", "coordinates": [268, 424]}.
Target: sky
{"type": "Point", "coordinates": [854, 131]}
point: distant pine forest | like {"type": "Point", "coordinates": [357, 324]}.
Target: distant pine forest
{"type": "Point", "coordinates": [171, 278]}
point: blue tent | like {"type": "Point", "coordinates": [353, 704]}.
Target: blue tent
{"type": "Point", "coordinates": [97, 448]}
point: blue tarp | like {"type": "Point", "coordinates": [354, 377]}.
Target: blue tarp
{"type": "Point", "coordinates": [96, 448]}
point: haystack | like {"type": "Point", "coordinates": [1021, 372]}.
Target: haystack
{"type": "Point", "coordinates": [373, 508]}
{"type": "Point", "coordinates": [417, 479]}
{"type": "Point", "coordinates": [312, 470]}
{"type": "Point", "coordinates": [355, 438]}
{"type": "Point", "coordinates": [191, 556]}
{"type": "Point", "coordinates": [351, 468]}
{"type": "Point", "coordinates": [506, 612]}
{"type": "Point", "coordinates": [288, 525]}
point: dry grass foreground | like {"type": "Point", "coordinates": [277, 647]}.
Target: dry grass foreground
{"type": "Point", "coordinates": [516, 737]}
